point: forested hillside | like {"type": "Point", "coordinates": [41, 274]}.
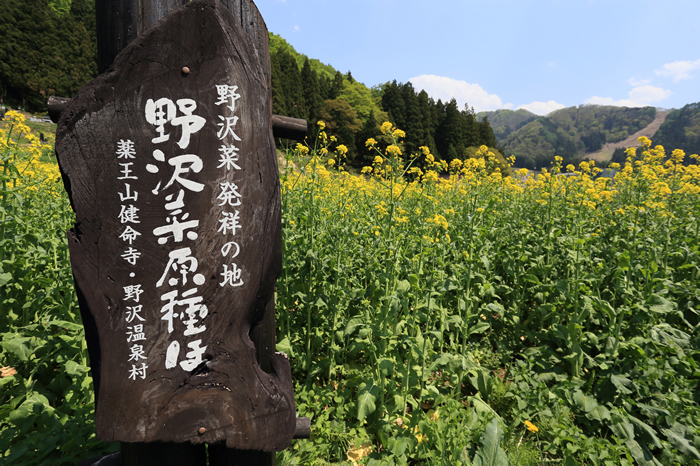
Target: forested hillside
{"type": "Point", "coordinates": [570, 132]}
{"type": "Point", "coordinates": [681, 130]}
{"type": "Point", "coordinates": [307, 88]}
{"type": "Point", "coordinates": [504, 122]}
{"type": "Point", "coordinates": [46, 48]}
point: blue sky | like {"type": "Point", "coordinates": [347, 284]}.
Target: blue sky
{"type": "Point", "coordinates": [535, 54]}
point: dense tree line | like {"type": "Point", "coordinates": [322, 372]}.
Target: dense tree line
{"type": "Point", "coordinates": [443, 127]}
{"type": "Point", "coordinates": [46, 48]}
{"type": "Point", "coordinates": [681, 130]}
{"type": "Point", "coordinates": [307, 93]}
{"type": "Point", "coordinates": [304, 88]}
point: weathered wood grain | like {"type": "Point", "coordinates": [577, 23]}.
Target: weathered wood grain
{"type": "Point", "coordinates": [228, 397]}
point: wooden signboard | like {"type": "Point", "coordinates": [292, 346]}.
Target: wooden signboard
{"type": "Point", "coordinates": [169, 161]}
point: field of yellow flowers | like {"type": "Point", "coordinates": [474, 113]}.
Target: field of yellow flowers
{"type": "Point", "coordinates": [433, 313]}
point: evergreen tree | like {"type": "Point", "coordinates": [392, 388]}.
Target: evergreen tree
{"type": "Point", "coordinates": [450, 132]}
{"type": "Point", "coordinates": [370, 129]}
{"type": "Point", "coordinates": [471, 133]}
{"type": "Point", "coordinates": [393, 103]}
{"type": "Point", "coordinates": [413, 124]}
{"type": "Point", "coordinates": [324, 87]}
{"type": "Point", "coordinates": [292, 89]}
{"type": "Point", "coordinates": [487, 138]}
{"type": "Point", "coordinates": [312, 96]}
{"type": "Point", "coordinates": [279, 106]}
{"type": "Point", "coordinates": [337, 85]}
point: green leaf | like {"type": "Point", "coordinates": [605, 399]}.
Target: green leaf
{"type": "Point", "coordinates": [386, 367]}
{"type": "Point", "coordinates": [641, 453]}
{"type": "Point", "coordinates": [366, 399]}
{"type": "Point", "coordinates": [19, 415]}
{"type": "Point", "coordinates": [403, 287]}
{"type": "Point", "coordinates": [442, 361]}
{"type": "Point", "coordinates": [66, 325]}
{"type": "Point", "coordinates": [660, 305]}
{"type": "Point", "coordinates": [584, 402]}
{"type": "Point", "coordinates": [623, 261]}
{"type": "Point", "coordinates": [652, 411]}
{"type": "Point", "coordinates": [352, 325]}
{"type": "Point", "coordinates": [73, 368]}
{"type": "Point", "coordinates": [623, 430]}
{"type": "Point", "coordinates": [19, 347]}
{"type": "Point", "coordinates": [681, 443]}
{"type": "Point", "coordinates": [482, 407]}
{"type": "Point", "coordinates": [320, 303]}
{"type": "Point", "coordinates": [483, 382]}
{"type": "Point", "coordinates": [665, 335]}
{"type": "Point", "coordinates": [5, 277]}
{"type": "Point", "coordinates": [490, 452]}
{"type": "Point", "coordinates": [620, 383]}
{"type": "Point", "coordinates": [599, 413]}
{"type": "Point", "coordinates": [646, 431]}
{"type": "Point", "coordinates": [495, 308]}
{"type": "Point", "coordinates": [479, 328]}
{"type": "Point", "coordinates": [285, 346]}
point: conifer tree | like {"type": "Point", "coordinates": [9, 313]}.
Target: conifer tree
{"type": "Point", "coordinates": [370, 129]}
{"type": "Point", "coordinates": [393, 103]}
{"type": "Point", "coordinates": [292, 88]}
{"type": "Point", "coordinates": [413, 125]}
{"type": "Point", "coordinates": [279, 106]}
{"type": "Point", "coordinates": [337, 85]}
{"type": "Point", "coordinates": [312, 97]}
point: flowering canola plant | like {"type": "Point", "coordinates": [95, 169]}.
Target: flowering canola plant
{"type": "Point", "coordinates": [564, 302]}
{"type": "Point", "coordinates": [406, 286]}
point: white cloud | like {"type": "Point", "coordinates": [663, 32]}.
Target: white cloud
{"type": "Point", "coordinates": [678, 70]}
{"type": "Point", "coordinates": [542, 108]}
{"type": "Point", "coordinates": [640, 96]}
{"type": "Point", "coordinates": [508, 106]}
{"type": "Point", "coordinates": [635, 82]}
{"type": "Point", "coordinates": [296, 28]}
{"type": "Point", "coordinates": [648, 94]}
{"type": "Point", "coordinates": [440, 87]}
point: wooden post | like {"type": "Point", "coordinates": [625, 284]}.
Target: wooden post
{"type": "Point", "coordinates": [203, 44]}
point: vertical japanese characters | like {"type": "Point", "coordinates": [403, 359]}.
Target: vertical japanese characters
{"type": "Point", "coordinates": [180, 286]}
{"type": "Point", "coordinates": [230, 198]}
{"type": "Point", "coordinates": [129, 219]}
{"type": "Point", "coordinates": [183, 306]}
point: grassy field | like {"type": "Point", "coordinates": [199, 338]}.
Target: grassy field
{"type": "Point", "coordinates": [432, 313]}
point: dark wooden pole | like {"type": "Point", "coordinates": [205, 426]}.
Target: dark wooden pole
{"type": "Point", "coordinates": [118, 23]}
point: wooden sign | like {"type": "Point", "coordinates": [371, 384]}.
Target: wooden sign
{"type": "Point", "coordinates": [170, 164]}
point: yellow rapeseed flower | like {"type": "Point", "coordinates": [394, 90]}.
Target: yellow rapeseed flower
{"type": "Point", "coordinates": [341, 149]}
{"type": "Point", "coordinates": [398, 134]}
{"type": "Point", "coordinates": [531, 427]}
{"type": "Point", "coordinates": [393, 150]}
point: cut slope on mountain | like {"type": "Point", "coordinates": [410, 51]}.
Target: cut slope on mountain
{"type": "Point", "coordinates": [649, 131]}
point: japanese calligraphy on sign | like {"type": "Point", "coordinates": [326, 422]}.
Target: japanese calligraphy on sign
{"type": "Point", "coordinates": [177, 244]}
